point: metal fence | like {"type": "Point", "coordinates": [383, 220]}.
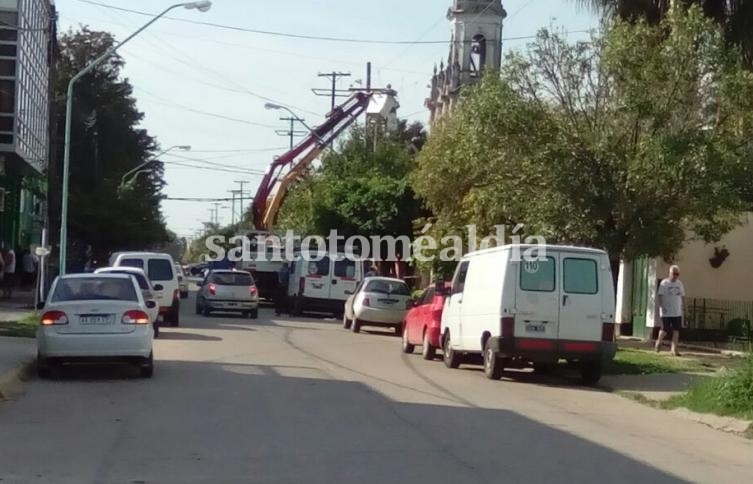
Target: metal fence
{"type": "Point", "coordinates": [720, 321]}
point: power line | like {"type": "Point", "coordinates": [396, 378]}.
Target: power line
{"type": "Point", "coordinates": [294, 36]}
{"type": "Point", "coordinates": [219, 165]}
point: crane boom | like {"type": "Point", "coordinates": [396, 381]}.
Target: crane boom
{"type": "Point", "coordinates": [264, 208]}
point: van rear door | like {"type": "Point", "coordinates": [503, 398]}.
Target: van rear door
{"type": "Point", "coordinates": [537, 298]}
{"type": "Point", "coordinates": [581, 300]}
{"type": "Point", "coordinates": [316, 275]}
{"type": "Point", "coordinates": [344, 279]}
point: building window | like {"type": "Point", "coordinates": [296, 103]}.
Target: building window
{"type": "Point", "coordinates": [7, 96]}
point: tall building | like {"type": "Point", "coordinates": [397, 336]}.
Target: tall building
{"type": "Point", "coordinates": [27, 44]}
{"type": "Point", "coordinates": [476, 45]}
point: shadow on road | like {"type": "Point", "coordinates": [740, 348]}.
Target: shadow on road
{"type": "Point", "coordinates": [168, 335]}
{"type": "Point", "coordinates": [213, 422]}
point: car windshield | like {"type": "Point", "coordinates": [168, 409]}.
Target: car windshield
{"type": "Point", "coordinates": [388, 287]}
{"type": "Point", "coordinates": [160, 270]}
{"type": "Point", "coordinates": [94, 289]}
{"type": "Point", "coordinates": [231, 279]}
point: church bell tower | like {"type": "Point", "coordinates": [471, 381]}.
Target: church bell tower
{"type": "Point", "coordinates": [476, 45]}
{"type": "Point", "coordinates": [476, 27]}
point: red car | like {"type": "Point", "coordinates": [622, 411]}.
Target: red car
{"type": "Point", "coordinates": [423, 322]}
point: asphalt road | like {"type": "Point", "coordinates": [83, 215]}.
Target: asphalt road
{"type": "Point", "coordinates": [302, 400]}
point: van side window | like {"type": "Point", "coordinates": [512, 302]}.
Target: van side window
{"type": "Point", "coordinates": [459, 282]}
{"type": "Point", "coordinates": [345, 268]}
{"type": "Point", "coordinates": [538, 275]}
{"type": "Point", "coordinates": [581, 276]}
{"type": "Point", "coordinates": [132, 263]}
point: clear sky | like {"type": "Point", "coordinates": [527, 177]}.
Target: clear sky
{"type": "Point", "coordinates": [189, 79]}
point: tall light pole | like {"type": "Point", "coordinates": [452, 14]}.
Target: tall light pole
{"type": "Point", "coordinates": [201, 6]}
{"type": "Point", "coordinates": [150, 160]}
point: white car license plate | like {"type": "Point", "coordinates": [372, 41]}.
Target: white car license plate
{"type": "Point", "coordinates": [98, 319]}
{"type": "Point", "coordinates": [535, 328]}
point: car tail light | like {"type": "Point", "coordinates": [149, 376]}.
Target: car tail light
{"type": "Point", "coordinates": [366, 302]}
{"type": "Point", "coordinates": [508, 327]}
{"type": "Point", "coordinates": [252, 290]}
{"type": "Point", "coordinates": [135, 317]}
{"type": "Point", "coordinates": [607, 332]}
{"type": "Point", "coordinates": [53, 318]}
{"type": "Point", "coordinates": [301, 285]}
{"type": "Point", "coordinates": [212, 289]}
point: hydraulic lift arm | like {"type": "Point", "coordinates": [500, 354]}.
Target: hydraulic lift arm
{"type": "Point", "coordinates": [300, 158]}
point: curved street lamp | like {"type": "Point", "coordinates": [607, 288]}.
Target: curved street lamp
{"type": "Point", "coordinates": [201, 6]}
{"type": "Point", "coordinates": [138, 170]}
{"type": "Point", "coordinates": [278, 107]}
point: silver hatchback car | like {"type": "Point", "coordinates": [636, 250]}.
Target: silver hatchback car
{"type": "Point", "coordinates": [228, 291]}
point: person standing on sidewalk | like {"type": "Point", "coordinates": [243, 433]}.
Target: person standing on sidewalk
{"type": "Point", "coordinates": [281, 294]}
{"type": "Point", "coordinates": [10, 273]}
{"type": "Point", "coordinates": [671, 299]}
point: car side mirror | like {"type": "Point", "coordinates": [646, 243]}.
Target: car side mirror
{"type": "Point", "coordinates": [40, 305]}
{"type": "Point", "coordinates": [159, 287]}
{"type": "Point", "coordinates": [151, 304]}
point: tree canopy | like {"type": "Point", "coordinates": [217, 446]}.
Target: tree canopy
{"type": "Point", "coordinates": [623, 142]}
{"type": "Point", "coordinates": [106, 143]}
{"type": "Point", "coordinates": [362, 188]}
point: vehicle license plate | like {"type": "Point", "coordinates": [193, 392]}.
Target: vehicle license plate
{"type": "Point", "coordinates": [535, 328]}
{"type": "Point", "coordinates": [97, 319]}
{"type": "Point", "coordinates": [388, 301]}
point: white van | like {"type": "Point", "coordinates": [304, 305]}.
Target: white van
{"type": "Point", "coordinates": [322, 285]}
{"type": "Point", "coordinates": [514, 311]}
{"type": "Point", "coordinates": [160, 269]}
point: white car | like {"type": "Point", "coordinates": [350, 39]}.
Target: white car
{"type": "Point", "coordinates": [147, 290]}
{"type": "Point", "coordinates": [228, 291]}
{"type": "Point", "coordinates": [95, 317]}
{"type": "Point", "coordinates": [161, 270]}
{"type": "Point", "coordinates": [377, 301]}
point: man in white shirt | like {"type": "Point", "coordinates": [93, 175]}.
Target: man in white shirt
{"type": "Point", "coordinates": [671, 298]}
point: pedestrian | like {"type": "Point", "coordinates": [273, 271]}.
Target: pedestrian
{"type": "Point", "coordinates": [9, 258]}
{"type": "Point", "coordinates": [29, 268]}
{"type": "Point", "coordinates": [281, 294]}
{"type": "Point", "coordinates": [372, 272]}
{"type": "Point", "coordinates": [671, 299]}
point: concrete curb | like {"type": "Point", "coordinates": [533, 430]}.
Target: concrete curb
{"type": "Point", "coordinates": [11, 380]}
{"type": "Point", "coordinates": [725, 424]}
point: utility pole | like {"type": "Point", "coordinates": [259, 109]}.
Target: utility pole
{"type": "Point", "coordinates": [292, 133]}
{"type": "Point", "coordinates": [242, 184]}
{"type": "Point", "coordinates": [232, 210]}
{"type": "Point", "coordinates": [334, 93]}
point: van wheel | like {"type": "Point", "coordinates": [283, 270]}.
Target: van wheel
{"type": "Point", "coordinates": [205, 311]}
{"type": "Point", "coordinates": [356, 326]}
{"type": "Point", "coordinates": [428, 351]}
{"type": "Point", "coordinates": [346, 322]}
{"type": "Point", "coordinates": [492, 364]}
{"type": "Point", "coordinates": [590, 372]}
{"type": "Point", "coordinates": [451, 358]}
{"type": "Point", "coordinates": [407, 347]}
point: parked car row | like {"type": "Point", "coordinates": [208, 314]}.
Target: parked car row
{"type": "Point", "coordinates": [510, 312]}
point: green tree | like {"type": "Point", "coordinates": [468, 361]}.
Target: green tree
{"type": "Point", "coordinates": [735, 16]}
{"type": "Point", "coordinates": [106, 142]}
{"type": "Point", "coordinates": [362, 188]}
{"type": "Point", "coordinates": [624, 142]}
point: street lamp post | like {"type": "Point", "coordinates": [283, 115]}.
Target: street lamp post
{"type": "Point", "coordinates": [138, 170]}
{"type": "Point", "coordinates": [278, 107]}
{"type": "Point", "coordinates": [201, 6]}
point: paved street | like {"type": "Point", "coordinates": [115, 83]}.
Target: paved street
{"type": "Point", "coordinates": [281, 400]}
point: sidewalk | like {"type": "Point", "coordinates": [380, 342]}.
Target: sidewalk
{"type": "Point", "coordinates": [17, 307]}
{"type": "Point", "coordinates": [16, 358]}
